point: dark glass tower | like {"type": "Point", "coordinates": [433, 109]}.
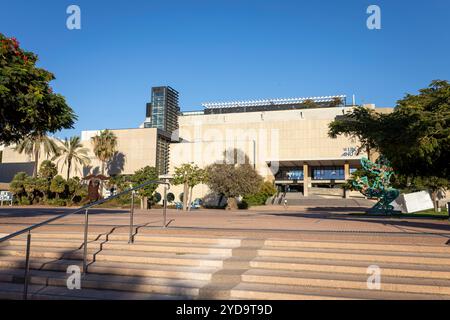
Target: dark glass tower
{"type": "Point", "coordinates": [162, 113]}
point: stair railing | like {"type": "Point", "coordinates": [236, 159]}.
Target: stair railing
{"type": "Point", "coordinates": [86, 226]}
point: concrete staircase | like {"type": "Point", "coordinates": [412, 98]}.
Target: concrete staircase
{"type": "Point", "coordinates": [175, 266]}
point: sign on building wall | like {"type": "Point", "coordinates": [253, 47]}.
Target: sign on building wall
{"type": "Point", "coordinates": [350, 152]}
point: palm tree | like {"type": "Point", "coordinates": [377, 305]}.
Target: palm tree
{"type": "Point", "coordinates": [72, 151]}
{"type": "Point", "coordinates": [105, 145]}
{"type": "Point", "coordinates": [32, 145]}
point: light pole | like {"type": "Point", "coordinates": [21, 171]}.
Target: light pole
{"type": "Point", "coordinates": [166, 178]}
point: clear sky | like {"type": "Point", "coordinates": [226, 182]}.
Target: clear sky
{"type": "Point", "coordinates": [221, 50]}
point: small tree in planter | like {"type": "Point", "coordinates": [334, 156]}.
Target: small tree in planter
{"type": "Point", "coordinates": [141, 176]}
{"type": "Point", "coordinates": [189, 175]}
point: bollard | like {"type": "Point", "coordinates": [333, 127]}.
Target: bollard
{"type": "Point", "coordinates": [448, 210]}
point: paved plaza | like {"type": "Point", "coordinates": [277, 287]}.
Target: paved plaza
{"type": "Point", "coordinates": [316, 251]}
{"type": "Point", "coordinates": [322, 221]}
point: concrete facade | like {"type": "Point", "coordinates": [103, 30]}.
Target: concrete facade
{"type": "Point", "coordinates": [288, 147]}
{"type": "Point", "coordinates": [270, 140]}
{"type": "Point", "coordinates": [136, 148]}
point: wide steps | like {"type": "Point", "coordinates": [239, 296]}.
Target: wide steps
{"type": "Point", "coordinates": [110, 236]}
{"type": "Point", "coordinates": [347, 281]}
{"type": "Point", "coordinates": [120, 244]}
{"type": "Point", "coordinates": [119, 256]}
{"type": "Point", "coordinates": [258, 291]}
{"type": "Point", "coordinates": [115, 268]}
{"type": "Point", "coordinates": [43, 292]}
{"type": "Point", "coordinates": [351, 267]}
{"type": "Point", "coordinates": [167, 267]}
{"type": "Point", "coordinates": [165, 286]}
{"type": "Point", "coordinates": [357, 255]}
{"type": "Point", "coordinates": [358, 246]}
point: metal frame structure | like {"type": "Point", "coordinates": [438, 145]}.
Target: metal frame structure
{"type": "Point", "coordinates": [268, 102]}
{"type": "Point", "coordinates": [86, 226]}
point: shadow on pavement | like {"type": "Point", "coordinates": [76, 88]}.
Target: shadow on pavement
{"type": "Point", "coordinates": [12, 212]}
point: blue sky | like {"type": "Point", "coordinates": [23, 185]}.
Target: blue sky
{"type": "Point", "coordinates": [220, 50]}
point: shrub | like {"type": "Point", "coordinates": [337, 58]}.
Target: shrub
{"type": "Point", "coordinates": [170, 197]}
{"type": "Point", "coordinates": [24, 201]}
{"type": "Point", "coordinates": [57, 202]}
{"type": "Point", "coordinates": [48, 170]}
{"type": "Point", "coordinates": [243, 205]}
{"type": "Point", "coordinates": [58, 186]}
{"type": "Point", "coordinates": [266, 190]}
{"type": "Point", "coordinates": [17, 185]}
{"type": "Point", "coordinates": [157, 197]}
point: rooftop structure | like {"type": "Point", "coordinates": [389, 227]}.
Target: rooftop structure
{"type": "Point", "coordinates": [274, 104]}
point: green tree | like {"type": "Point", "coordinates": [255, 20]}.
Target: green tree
{"type": "Point", "coordinates": [72, 152]}
{"type": "Point", "coordinates": [43, 187]}
{"type": "Point", "coordinates": [121, 183]}
{"type": "Point", "coordinates": [232, 180]}
{"type": "Point", "coordinates": [48, 170]}
{"type": "Point", "coordinates": [58, 186]}
{"type": "Point", "coordinates": [28, 106]}
{"type": "Point", "coordinates": [356, 125]}
{"type": "Point", "coordinates": [33, 145]}
{"type": "Point", "coordinates": [75, 190]}
{"type": "Point", "coordinates": [266, 190]}
{"type": "Point", "coordinates": [415, 137]}
{"type": "Point", "coordinates": [189, 175]}
{"type": "Point", "coordinates": [105, 145]}
{"type": "Point", "coordinates": [17, 185]}
{"type": "Point", "coordinates": [141, 176]}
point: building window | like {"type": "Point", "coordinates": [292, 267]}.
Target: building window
{"type": "Point", "coordinates": [328, 173]}
{"type": "Point", "coordinates": [290, 174]}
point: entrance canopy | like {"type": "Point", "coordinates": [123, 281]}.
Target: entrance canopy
{"type": "Point", "coordinates": [352, 161]}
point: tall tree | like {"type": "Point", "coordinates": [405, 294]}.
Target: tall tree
{"type": "Point", "coordinates": [28, 106]}
{"type": "Point", "coordinates": [355, 125]}
{"type": "Point", "coordinates": [415, 137]}
{"type": "Point", "coordinates": [72, 152]}
{"type": "Point", "coordinates": [33, 146]}
{"type": "Point", "coordinates": [105, 145]}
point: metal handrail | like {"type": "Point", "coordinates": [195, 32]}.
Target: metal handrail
{"type": "Point", "coordinates": [86, 224]}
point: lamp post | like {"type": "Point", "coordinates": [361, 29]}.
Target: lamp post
{"type": "Point", "coordinates": [165, 178]}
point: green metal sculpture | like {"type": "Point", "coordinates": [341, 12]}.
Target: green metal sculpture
{"type": "Point", "coordinates": [376, 184]}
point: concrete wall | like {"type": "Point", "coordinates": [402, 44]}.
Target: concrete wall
{"type": "Point", "coordinates": [278, 135]}
{"type": "Point", "coordinates": [136, 149]}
